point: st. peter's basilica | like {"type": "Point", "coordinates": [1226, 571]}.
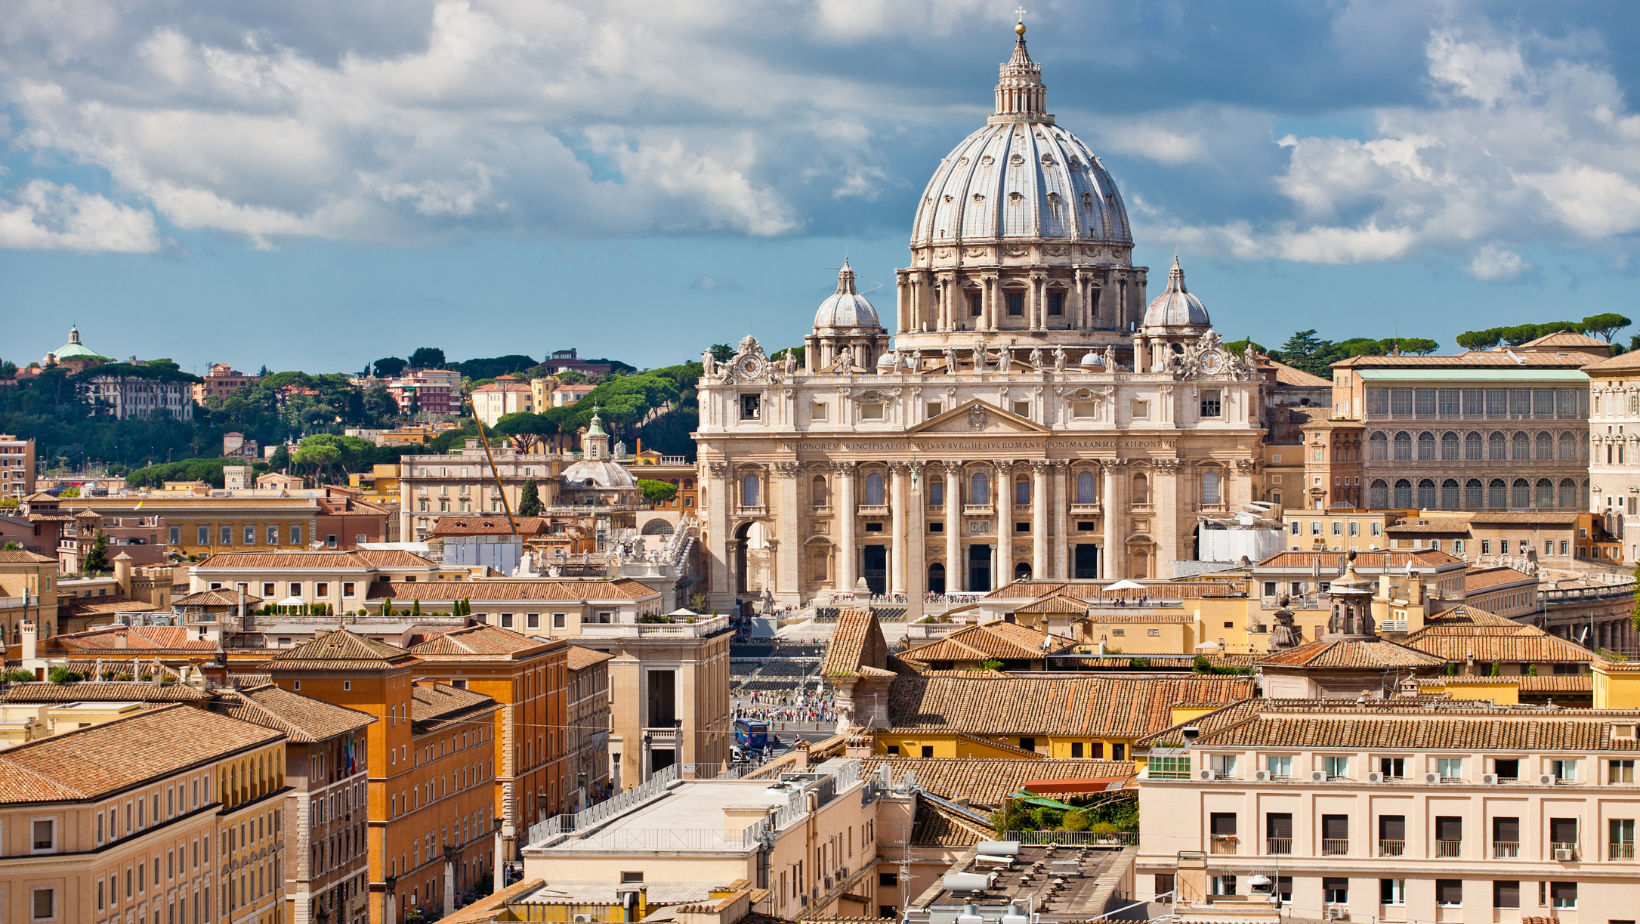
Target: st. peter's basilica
{"type": "Point", "coordinates": [1029, 416]}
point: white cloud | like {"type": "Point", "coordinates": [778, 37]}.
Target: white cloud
{"type": "Point", "coordinates": [1496, 264]}
{"type": "Point", "coordinates": [1519, 145]}
{"type": "Point", "coordinates": [45, 216]}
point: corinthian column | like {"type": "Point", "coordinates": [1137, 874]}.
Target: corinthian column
{"type": "Point", "coordinates": [1002, 496]}
{"type": "Point", "coordinates": [846, 555]}
{"type": "Point", "coordinates": [1165, 496]}
{"type": "Point", "coordinates": [1040, 492]}
{"type": "Point", "coordinates": [1061, 502]}
{"type": "Point", "coordinates": [916, 567]}
{"type": "Point", "coordinates": [953, 529]}
{"type": "Point", "coordinates": [899, 472]}
{"type": "Point", "coordinates": [789, 555]}
{"type": "Point", "coordinates": [1110, 564]}
{"type": "Point", "coordinates": [717, 528]}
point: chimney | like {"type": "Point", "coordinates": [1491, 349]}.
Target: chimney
{"type": "Point", "coordinates": [800, 754]}
{"type": "Point", "coordinates": [122, 573]}
{"type": "Point", "coordinates": [31, 641]}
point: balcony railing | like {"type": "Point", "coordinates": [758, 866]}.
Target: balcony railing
{"type": "Point", "coordinates": [978, 510]}
{"type": "Point", "coordinates": [872, 510]}
{"type": "Point", "coordinates": [1506, 850]}
{"type": "Point", "coordinates": [1392, 848]}
{"type": "Point", "coordinates": [1448, 849]}
{"type": "Point", "coordinates": [1224, 844]}
{"type": "Point", "coordinates": [1085, 510]}
{"type": "Point", "coordinates": [1278, 846]}
{"type": "Point", "coordinates": [1622, 851]}
{"type": "Point", "coordinates": [1335, 847]}
{"type": "Point", "coordinates": [1556, 848]}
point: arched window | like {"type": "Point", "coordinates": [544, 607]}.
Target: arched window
{"type": "Point", "coordinates": [1087, 491]}
{"type": "Point", "coordinates": [1378, 494]}
{"type": "Point", "coordinates": [979, 488]}
{"type": "Point", "coordinates": [1426, 494]}
{"type": "Point", "coordinates": [874, 490]}
{"type": "Point", "coordinates": [1403, 445]}
{"type": "Point", "coordinates": [1568, 445]}
{"type": "Point", "coordinates": [1426, 446]}
{"type": "Point", "coordinates": [1449, 446]}
{"type": "Point", "coordinates": [1403, 493]}
{"type": "Point", "coordinates": [820, 495]}
{"type": "Point", "coordinates": [1545, 446]}
{"type": "Point", "coordinates": [1378, 446]}
{"type": "Point", "coordinates": [1022, 492]}
{"type": "Point", "coordinates": [1545, 493]}
{"type": "Point", "coordinates": [1497, 447]}
{"type": "Point", "coordinates": [1210, 487]}
{"type": "Point", "coordinates": [1474, 494]}
{"type": "Point", "coordinates": [1497, 494]}
{"type": "Point", "coordinates": [750, 493]}
{"type": "Point", "coordinates": [657, 528]}
{"type": "Point", "coordinates": [1141, 489]}
{"type": "Point", "coordinates": [1522, 447]}
{"type": "Point", "coordinates": [1449, 494]}
{"type": "Point", "coordinates": [1568, 493]}
{"type": "Point", "coordinates": [1472, 446]}
{"type": "Point", "coordinates": [1521, 493]}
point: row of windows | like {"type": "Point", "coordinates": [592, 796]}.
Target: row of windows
{"type": "Point", "coordinates": [1335, 890]}
{"type": "Point", "coordinates": [1478, 402]}
{"type": "Point", "coordinates": [874, 489]}
{"type": "Point", "coordinates": [1473, 494]}
{"type": "Point", "coordinates": [1496, 446]}
{"type": "Point", "coordinates": [225, 534]}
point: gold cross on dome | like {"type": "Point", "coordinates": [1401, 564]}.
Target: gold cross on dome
{"type": "Point", "coordinates": [1020, 13]}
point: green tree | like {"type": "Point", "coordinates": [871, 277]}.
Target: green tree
{"type": "Point", "coordinates": [427, 358]}
{"type": "Point", "coordinates": [1415, 346]}
{"type": "Point", "coordinates": [1605, 325]}
{"type": "Point", "coordinates": [96, 560]}
{"type": "Point", "coordinates": [528, 431]}
{"type": "Point", "coordinates": [722, 351]}
{"type": "Point", "coordinates": [389, 366]}
{"type": "Point", "coordinates": [529, 500]}
{"type": "Point", "coordinates": [1480, 339]}
{"type": "Point", "coordinates": [657, 492]}
{"type": "Point", "coordinates": [61, 674]}
{"type": "Point", "coordinates": [70, 491]}
{"type": "Point", "coordinates": [571, 377]}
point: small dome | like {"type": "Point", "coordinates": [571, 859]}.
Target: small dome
{"type": "Point", "coordinates": [74, 349]}
{"type": "Point", "coordinates": [885, 363]}
{"type": "Point", "coordinates": [1090, 360]}
{"type": "Point", "coordinates": [847, 308]}
{"type": "Point", "coordinates": [601, 474]}
{"type": "Point", "coordinates": [1176, 307]}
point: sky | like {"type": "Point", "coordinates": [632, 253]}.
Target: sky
{"type": "Point", "coordinates": [309, 185]}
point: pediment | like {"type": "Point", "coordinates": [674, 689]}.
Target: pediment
{"type": "Point", "coordinates": [978, 416]}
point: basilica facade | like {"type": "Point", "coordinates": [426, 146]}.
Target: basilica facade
{"type": "Point", "coordinates": [1030, 415]}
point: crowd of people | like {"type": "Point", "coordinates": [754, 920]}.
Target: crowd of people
{"type": "Point", "coordinates": [791, 706]}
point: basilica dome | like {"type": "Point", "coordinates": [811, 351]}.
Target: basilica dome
{"type": "Point", "coordinates": [1176, 307]}
{"type": "Point", "coordinates": [846, 308]}
{"type": "Point", "coordinates": [1021, 177]}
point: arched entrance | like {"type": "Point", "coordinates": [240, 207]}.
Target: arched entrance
{"type": "Point", "coordinates": [737, 555]}
{"type": "Point", "coordinates": [936, 578]}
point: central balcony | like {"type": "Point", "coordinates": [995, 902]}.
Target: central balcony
{"type": "Point", "coordinates": [1444, 849]}
{"type": "Point", "coordinates": [1335, 847]}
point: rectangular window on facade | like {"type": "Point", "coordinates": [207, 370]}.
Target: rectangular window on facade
{"type": "Point", "coordinates": [1141, 410]}
{"type": "Point", "coordinates": [295, 534]}
{"type": "Point", "coordinates": [1392, 891]}
{"type": "Point", "coordinates": [1279, 766]}
{"type": "Point", "coordinates": [1022, 408]}
{"type": "Point", "coordinates": [1506, 893]}
{"type": "Point", "coordinates": [1056, 303]}
{"type": "Point", "coordinates": [933, 409]}
{"type": "Point", "coordinates": [506, 620]}
{"type": "Point", "coordinates": [204, 535]}
{"type": "Point", "coordinates": [44, 838]}
{"type": "Point", "coordinates": [1449, 893]}
{"type": "Point", "coordinates": [1335, 891]}
{"type": "Point", "coordinates": [250, 535]}
{"type": "Point", "coordinates": [532, 620]}
{"type": "Point", "coordinates": [1424, 402]}
{"type": "Point", "coordinates": [1378, 401]}
{"type": "Point", "coordinates": [1211, 405]}
{"type": "Point", "coordinates": [871, 410]}
{"type": "Point", "coordinates": [559, 620]}
{"type": "Point", "coordinates": [1400, 402]}
{"type": "Point", "coordinates": [1084, 410]}
{"type": "Point", "coordinates": [43, 903]}
{"type": "Point", "coordinates": [174, 535]}
{"type": "Point", "coordinates": [227, 535]}
{"type": "Point", "coordinates": [1016, 304]}
{"type": "Point", "coordinates": [1620, 771]}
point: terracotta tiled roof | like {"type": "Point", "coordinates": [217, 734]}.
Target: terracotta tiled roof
{"type": "Point", "coordinates": [1611, 666]}
{"type": "Point", "coordinates": [1107, 707]}
{"type": "Point", "coordinates": [214, 598]}
{"type": "Point", "coordinates": [1056, 603]}
{"type": "Point", "coordinates": [1492, 577]}
{"type": "Point", "coordinates": [488, 526]}
{"type": "Point", "coordinates": [1431, 525]}
{"type": "Point", "coordinates": [579, 659]}
{"type": "Point", "coordinates": [1451, 725]}
{"type": "Point", "coordinates": [480, 640]}
{"type": "Point", "coordinates": [1333, 562]}
{"type": "Point", "coordinates": [103, 691]}
{"type": "Point", "coordinates": [999, 640]}
{"type": "Point", "coordinates": [1546, 683]}
{"type": "Point", "coordinates": [117, 755]}
{"type": "Point", "coordinates": [1465, 619]}
{"type": "Point", "coordinates": [1517, 643]}
{"type": "Point", "coordinates": [126, 640]}
{"type": "Point", "coordinates": [101, 606]}
{"type": "Point", "coordinates": [856, 643]}
{"type": "Point", "coordinates": [341, 650]}
{"type": "Point", "coordinates": [391, 558]}
{"type": "Point", "coordinates": [439, 705]}
{"type": "Point", "coordinates": [526, 589]}
{"type": "Point", "coordinates": [303, 719]}
{"type": "Point", "coordinates": [938, 826]}
{"type": "Point", "coordinates": [1619, 363]}
{"type": "Point", "coordinates": [1092, 591]}
{"type": "Point", "coordinates": [1479, 359]}
{"type": "Point", "coordinates": [1565, 518]}
{"type": "Point", "coordinates": [1138, 614]}
{"type": "Point", "coordinates": [1287, 375]}
{"type": "Point", "coordinates": [987, 782]}
{"type": "Point", "coordinates": [1223, 717]}
{"type": "Point", "coordinates": [1351, 654]}
{"type": "Point", "coordinates": [23, 557]}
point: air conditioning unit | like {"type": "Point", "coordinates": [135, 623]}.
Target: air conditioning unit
{"type": "Point", "coordinates": [1489, 779]}
{"type": "Point", "coordinates": [1261, 776]}
{"type": "Point", "coordinates": [1337, 913]}
{"type": "Point", "coordinates": [1565, 854]}
{"type": "Point", "coordinates": [1432, 778]}
{"type": "Point", "coordinates": [1317, 776]}
{"type": "Point", "coordinates": [1546, 779]}
{"type": "Point", "coordinates": [1373, 776]}
{"type": "Point", "coordinates": [1206, 776]}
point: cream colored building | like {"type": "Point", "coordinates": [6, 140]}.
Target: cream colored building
{"type": "Point", "coordinates": [1033, 418]}
{"type": "Point", "coordinates": [1614, 451]}
{"type": "Point", "coordinates": [1388, 811]}
{"type": "Point", "coordinates": [506, 395]}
